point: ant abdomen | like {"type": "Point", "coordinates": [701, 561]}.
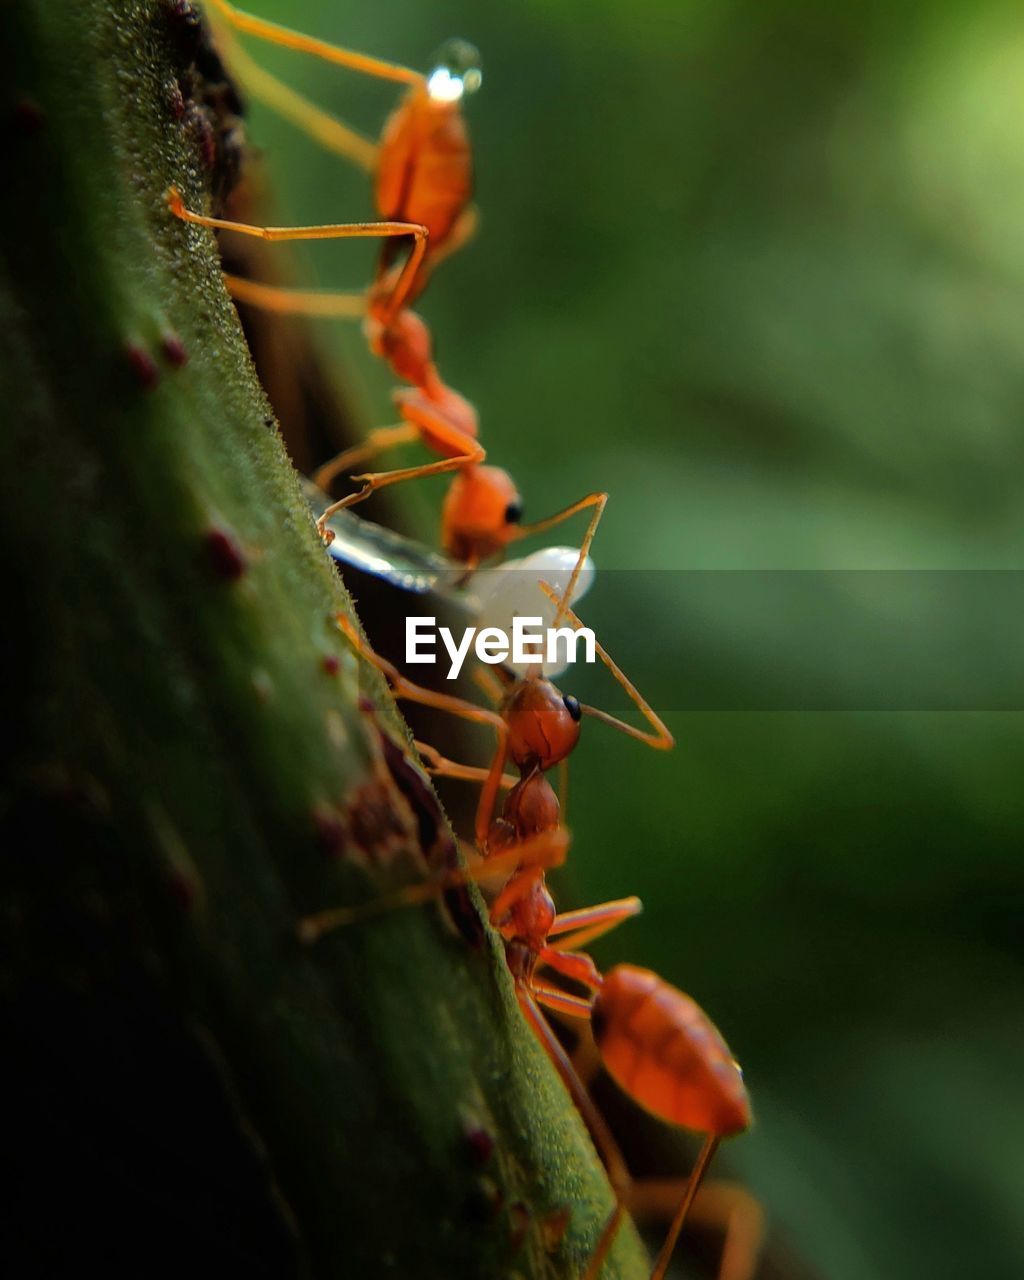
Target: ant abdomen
{"type": "Point", "coordinates": [667, 1054]}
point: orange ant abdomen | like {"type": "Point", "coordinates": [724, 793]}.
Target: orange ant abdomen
{"type": "Point", "coordinates": [543, 726]}
{"type": "Point", "coordinates": [666, 1053]}
{"type": "Point", "coordinates": [425, 168]}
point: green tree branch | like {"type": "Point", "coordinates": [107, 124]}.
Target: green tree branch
{"type": "Point", "coordinates": [189, 767]}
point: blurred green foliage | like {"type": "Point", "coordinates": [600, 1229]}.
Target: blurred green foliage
{"type": "Point", "coordinates": [758, 269]}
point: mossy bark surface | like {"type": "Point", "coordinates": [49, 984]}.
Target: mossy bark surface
{"type": "Point", "coordinates": [191, 767]}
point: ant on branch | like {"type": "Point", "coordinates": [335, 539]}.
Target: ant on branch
{"type": "Point", "coordinates": [655, 1041]}
{"type": "Point", "coordinates": [536, 725]}
{"type": "Point", "coordinates": [423, 186]}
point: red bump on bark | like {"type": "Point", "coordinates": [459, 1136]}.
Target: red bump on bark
{"type": "Point", "coordinates": [174, 349]}
{"type": "Point", "coordinates": [224, 555]}
{"type": "Point", "coordinates": [182, 10]}
{"type": "Point", "coordinates": [330, 830]}
{"type": "Point", "coordinates": [175, 99]}
{"type": "Point", "coordinates": [479, 1144]}
{"type": "Point", "coordinates": [185, 25]}
{"type": "Point", "coordinates": [205, 138]}
{"type": "Point", "coordinates": [331, 664]}
{"type": "Point", "coordinates": [142, 365]}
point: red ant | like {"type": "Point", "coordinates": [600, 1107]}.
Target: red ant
{"type": "Point", "coordinates": [536, 725]}
{"type": "Point", "coordinates": [655, 1042]}
{"type": "Point", "coordinates": [658, 1045]}
{"type": "Point", "coordinates": [422, 167]}
{"type": "Point", "coordinates": [423, 185]}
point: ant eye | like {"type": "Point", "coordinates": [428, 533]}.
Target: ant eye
{"type": "Point", "coordinates": [514, 512]}
{"type": "Point", "coordinates": [572, 705]}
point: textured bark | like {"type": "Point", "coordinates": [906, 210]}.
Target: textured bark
{"type": "Point", "coordinates": [190, 768]}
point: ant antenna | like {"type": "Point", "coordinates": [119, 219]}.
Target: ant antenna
{"type": "Point", "coordinates": [660, 739]}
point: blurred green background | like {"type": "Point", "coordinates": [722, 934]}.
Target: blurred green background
{"type": "Point", "coordinates": [758, 269]}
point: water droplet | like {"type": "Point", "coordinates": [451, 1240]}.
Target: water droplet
{"type": "Point", "coordinates": [456, 72]}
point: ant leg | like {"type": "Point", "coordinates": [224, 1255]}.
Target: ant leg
{"type": "Point", "coordinates": [543, 852]}
{"type": "Point", "coordinates": [661, 739]}
{"type": "Point", "coordinates": [608, 1148]}
{"type": "Point", "coordinates": [329, 231]}
{"type": "Point", "coordinates": [403, 688]}
{"type": "Point", "coordinates": [330, 132]}
{"type": "Point", "coordinates": [604, 1244]}
{"type": "Point", "coordinates": [596, 500]}
{"type": "Point", "coordinates": [441, 767]}
{"type": "Point", "coordinates": [588, 923]}
{"type": "Point", "coordinates": [601, 1134]}
{"type": "Point", "coordinates": [373, 481]}
{"type": "Point", "coordinates": [276, 34]}
{"type": "Point", "coordinates": [577, 928]}
{"type": "Point", "coordinates": [577, 966]}
{"type": "Point", "coordinates": [462, 232]}
{"type": "Point", "coordinates": [465, 452]}
{"type": "Point", "coordinates": [296, 302]}
{"type": "Point", "coordinates": [561, 1001]}
{"type": "Point", "coordinates": [723, 1206]}
{"type": "Point", "coordinates": [462, 449]}
{"type": "Point", "coordinates": [690, 1189]}
{"type": "Point", "coordinates": [587, 1063]}
{"type": "Point", "coordinates": [531, 858]}
{"type": "Point", "coordinates": [379, 439]}
{"type": "Point", "coordinates": [489, 685]}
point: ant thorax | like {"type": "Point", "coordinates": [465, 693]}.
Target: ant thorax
{"type": "Point", "coordinates": [512, 590]}
{"type": "Point", "coordinates": [525, 929]}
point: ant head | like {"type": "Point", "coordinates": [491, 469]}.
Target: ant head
{"type": "Point", "coordinates": [404, 343]}
{"type": "Point", "coordinates": [543, 725]}
{"type": "Point", "coordinates": [531, 806]}
{"type": "Point", "coordinates": [456, 72]}
{"type": "Point", "coordinates": [481, 514]}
